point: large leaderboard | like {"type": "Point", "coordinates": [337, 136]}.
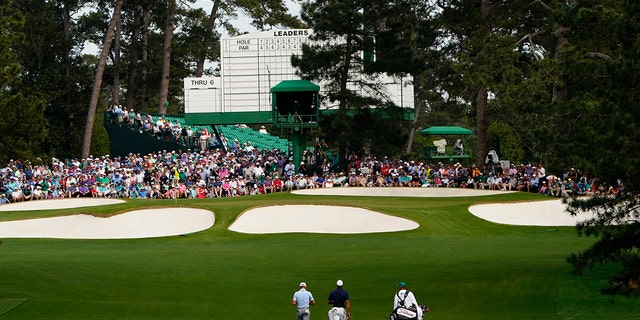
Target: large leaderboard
{"type": "Point", "coordinates": [251, 64]}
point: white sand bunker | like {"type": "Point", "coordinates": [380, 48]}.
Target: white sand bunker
{"type": "Point", "coordinates": [318, 219]}
{"type": "Point", "coordinates": [400, 192]}
{"type": "Point", "coordinates": [131, 225]}
{"type": "Point", "coordinates": [537, 213]}
{"type": "Point", "coordinates": [58, 204]}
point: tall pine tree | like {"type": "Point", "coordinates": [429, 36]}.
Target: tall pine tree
{"type": "Point", "coordinates": [23, 126]}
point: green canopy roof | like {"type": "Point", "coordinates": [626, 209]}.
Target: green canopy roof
{"type": "Point", "coordinates": [445, 130]}
{"type": "Point", "coordinates": [295, 86]}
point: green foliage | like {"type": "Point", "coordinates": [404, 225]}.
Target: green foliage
{"type": "Point", "coordinates": [615, 225]}
{"type": "Point", "coordinates": [268, 14]}
{"type": "Point", "coordinates": [509, 147]}
{"type": "Point", "coordinates": [22, 128]}
{"type": "Point", "coordinates": [404, 37]}
{"type": "Point", "coordinates": [11, 23]}
{"type": "Point", "coordinates": [99, 137]}
{"type": "Point", "coordinates": [347, 35]}
{"type": "Point", "coordinates": [601, 121]}
{"type": "Point", "coordinates": [563, 82]}
{"type": "Point", "coordinates": [335, 59]}
{"type": "Point", "coordinates": [602, 132]}
{"type": "Point", "coordinates": [189, 44]}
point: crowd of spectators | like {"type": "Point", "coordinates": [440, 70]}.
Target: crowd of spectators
{"type": "Point", "coordinates": [214, 173]}
{"type": "Point", "coordinates": [164, 128]}
{"type": "Point", "coordinates": [209, 171]}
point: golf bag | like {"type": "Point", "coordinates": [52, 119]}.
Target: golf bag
{"type": "Point", "coordinates": [403, 312]}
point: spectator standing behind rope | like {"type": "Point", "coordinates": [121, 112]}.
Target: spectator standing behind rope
{"type": "Point", "coordinates": [204, 139]}
{"type": "Point", "coordinates": [302, 299]}
{"type": "Point", "coordinates": [339, 298]}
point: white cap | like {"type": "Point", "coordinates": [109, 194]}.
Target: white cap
{"type": "Point", "coordinates": [339, 283]}
{"type": "Point", "coordinates": [302, 284]}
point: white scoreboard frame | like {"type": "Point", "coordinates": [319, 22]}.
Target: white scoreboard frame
{"type": "Point", "coordinates": [251, 64]}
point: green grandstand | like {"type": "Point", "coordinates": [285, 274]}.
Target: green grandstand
{"type": "Point", "coordinates": [128, 139]}
{"type": "Point", "coordinates": [257, 139]}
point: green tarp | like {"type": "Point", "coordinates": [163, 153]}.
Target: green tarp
{"type": "Point", "coordinates": [295, 86]}
{"type": "Point", "coordinates": [445, 130]}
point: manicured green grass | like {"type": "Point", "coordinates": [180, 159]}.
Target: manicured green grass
{"type": "Point", "coordinates": [8, 304]}
{"type": "Point", "coordinates": [459, 265]}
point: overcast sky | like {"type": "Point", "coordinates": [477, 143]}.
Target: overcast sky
{"type": "Point", "coordinates": [243, 23]}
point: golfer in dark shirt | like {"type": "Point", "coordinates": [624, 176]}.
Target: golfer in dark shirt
{"type": "Point", "coordinates": [339, 298]}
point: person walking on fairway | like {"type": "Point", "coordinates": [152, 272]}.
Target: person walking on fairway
{"type": "Point", "coordinates": [339, 298]}
{"type": "Point", "coordinates": [302, 299]}
{"type": "Point", "coordinates": [405, 298]}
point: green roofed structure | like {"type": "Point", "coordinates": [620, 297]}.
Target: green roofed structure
{"type": "Point", "coordinates": [295, 86]}
{"type": "Point", "coordinates": [445, 130]}
{"type": "Point", "coordinates": [438, 149]}
{"type": "Point", "coordinates": [295, 108]}
{"type": "Point", "coordinates": [295, 104]}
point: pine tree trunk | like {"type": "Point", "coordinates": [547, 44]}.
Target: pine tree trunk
{"type": "Point", "coordinates": [66, 23]}
{"type": "Point", "coordinates": [133, 70]}
{"type": "Point", "coordinates": [207, 38]}
{"type": "Point", "coordinates": [166, 60]}
{"type": "Point", "coordinates": [481, 127]}
{"type": "Point", "coordinates": [116, 62]}
{"type": "Point", "coordinates": [560, 86]}
{"type": "Point", "coordinates": [97, 84]}
{"type": "Point", "coordinates": [414, 124]}
{"type": "Point", "coordinates": [482, 95]}
{"type": "Point", "coordinates": [145, 57]}
{"type": "Point", "coordinates": [343, 107]}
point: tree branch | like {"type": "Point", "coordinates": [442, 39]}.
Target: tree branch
{"type": "Point", "coordinates": [546, 6]}
{"type": "Point", "coordinates": [560, 31]}
{"type": "Point", "coordinates": [599, 55]}
{"type": "Point", "coordinates": [530, 37]}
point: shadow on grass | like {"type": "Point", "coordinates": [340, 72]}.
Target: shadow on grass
{"type": "Point", "coordinates": [8, 304]}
